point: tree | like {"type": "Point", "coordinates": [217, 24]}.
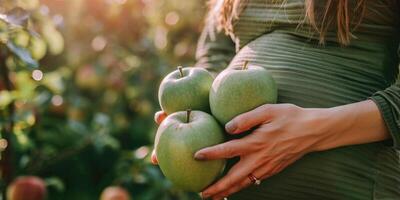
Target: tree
{"type": "Point", "coordinates": [78, 91]}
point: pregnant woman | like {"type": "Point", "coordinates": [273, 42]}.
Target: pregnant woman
{"type": "Point", "coordinates": [335, 131]}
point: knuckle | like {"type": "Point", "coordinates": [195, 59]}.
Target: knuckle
{"type": "Point", "coordinates": [277, 128]}
{"type": "Point", "coordinates": [269, 109]}
{"type": "Point", "coordinates": [257, 143]}
{"type": "Point", "coordinates": [265, 107]}
{"type": "Point", "coordinates": [291, 107]}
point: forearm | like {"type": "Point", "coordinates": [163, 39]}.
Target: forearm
{"type": "Point", "coordinates": [351, 124]}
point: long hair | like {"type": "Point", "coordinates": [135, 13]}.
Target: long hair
{"type": "Point", "coordinates": [342, 15]}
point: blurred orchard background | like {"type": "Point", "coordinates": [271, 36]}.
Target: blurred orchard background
{"type": "Point", "coordinates": [78, 90]}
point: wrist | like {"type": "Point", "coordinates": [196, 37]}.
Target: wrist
{"type": "Point", "coordinates": [330, 124]}
{"type": "Point", "coordinates": [351, 124]}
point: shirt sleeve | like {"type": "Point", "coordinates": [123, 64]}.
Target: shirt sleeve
{"type": "Point", "coordinates": [215, 49]}
{"type": "Point", "coordinates": [388, 102]}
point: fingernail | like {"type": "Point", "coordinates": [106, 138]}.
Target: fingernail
{"type": "Point", "coordinates": [230, 127]}
{"type": "Point", "coordinates": [199, 156]}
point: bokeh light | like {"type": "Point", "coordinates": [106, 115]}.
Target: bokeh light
{"type": "Point", "coordinates": [3, 144]}
{"type": "Point", "coordinates": [172, 18]}
{"type": "Point", "coordinates": [160, 39]}
{"type": "Point", "coordinates": [37, 75]}
{"type": "Point", "coordinates": [44, 10]}
{"type": "Point", "coordinates": [58, 20]}
{"type": "Point", "coordinates": [142, 152]}
{"type": "Point", "coordinates": [57, 100]}
{"type": "Point", "coordinates": [181, 49]}
{"type": "Point", "coordinates": [99, 43]}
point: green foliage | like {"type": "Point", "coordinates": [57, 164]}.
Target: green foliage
{"type": "Point", "coordinates": [84, 76]}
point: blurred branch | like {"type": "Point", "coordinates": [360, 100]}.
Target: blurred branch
{"type": "Point", "coordinates": [40, 164]}
{"type": "Point", "coordinates": [7, 172]}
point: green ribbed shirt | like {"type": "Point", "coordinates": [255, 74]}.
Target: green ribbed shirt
{"type": "Point", "coordinates": [274, 34]}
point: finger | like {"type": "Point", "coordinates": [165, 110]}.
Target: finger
{"type": "Point", "coordinates": [250, 119]}
{"type": "Point", "coordinates": [235, 175]}
{"type": "Point", "coordinates": [159, 117]}
{"type": "Point", "coordinates": [154, 160]}
{"type": "Point", "coordinates": [236, 188]}
{"type": "Point", "coordinates": [228, 149]}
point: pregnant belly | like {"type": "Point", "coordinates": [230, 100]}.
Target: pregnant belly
{"type": "Point", "coordinates": [310, 75]}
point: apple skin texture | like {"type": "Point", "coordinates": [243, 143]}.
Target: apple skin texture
{"type": "Point", "coordinates": [176, 143]}
{"type": "Point", "coordinates": [190, 91]}
{"type": "Point", "coordinates": [236, 91]}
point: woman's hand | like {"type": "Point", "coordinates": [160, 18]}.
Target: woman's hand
{"type": "Point", "coordinates": [158, 118]}
{"type": "Point", "coordinates": [284, 133]}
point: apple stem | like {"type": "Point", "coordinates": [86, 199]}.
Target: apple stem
{"type": "Point", "coordinates": [180, 70]}
{"type": "Point", "coordinates": [188, 111]}
{"type": "Point", "coordinates": [244, 67]}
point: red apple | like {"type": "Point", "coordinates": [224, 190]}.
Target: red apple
{"type": "Point", "coordinates": [115, 193]}
{"type": "Point", "coordinates": [27, 188]}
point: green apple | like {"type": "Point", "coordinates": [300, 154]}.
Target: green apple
{"type": "Point", "coordinates": [236, 91]}
{"type": "Point", "coordinates": [27, 188]}
{"type": "Point", "coordinates": [185, 88]}
{"type": "Point", "coordinates": [178, 138]}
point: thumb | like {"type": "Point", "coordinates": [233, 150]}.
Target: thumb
{"type": "Point", "coordinates": [159, 117]}
{"type": "Point", "coordinates": [154, 160]}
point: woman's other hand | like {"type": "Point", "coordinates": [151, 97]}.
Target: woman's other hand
{"type": "Point", "coordinates": [158, 118]}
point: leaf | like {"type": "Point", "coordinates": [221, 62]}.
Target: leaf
{"type": "Point", "coordinates": [54, 38]}
{"type": "Point", "coordinates": [16, 17]}
{"type": "Point", "coordinates": [56, 183]}
{"type": "Point", "coordinates": [5, 98]}
{"type": "Point", "coordinates": [23, 55]}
